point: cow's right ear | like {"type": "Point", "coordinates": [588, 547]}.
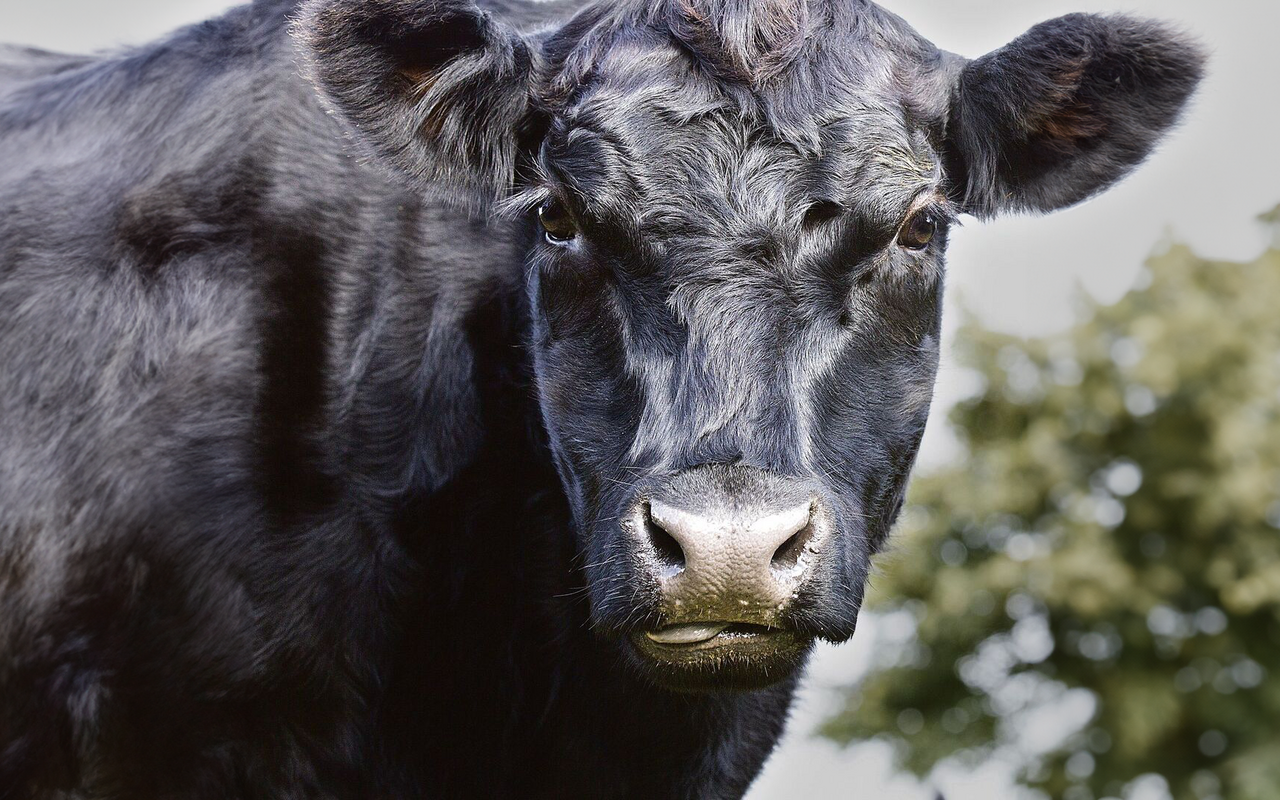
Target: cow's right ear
{"type": "Point", "coordinates": [438, 88]}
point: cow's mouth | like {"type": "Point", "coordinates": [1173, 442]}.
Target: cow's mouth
{"type": "Point", "coordinates": [702, 635]}
{"type": "Point", "coordinates": [719, 656]}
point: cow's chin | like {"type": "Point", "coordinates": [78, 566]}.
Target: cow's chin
{"type": "Point", "coordinates": [740, 658]}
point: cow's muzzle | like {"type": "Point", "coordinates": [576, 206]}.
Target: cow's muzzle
{"type": "Point", "coordinates": [729, 548]}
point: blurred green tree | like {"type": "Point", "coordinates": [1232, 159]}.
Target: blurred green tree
{"type": "Point", "coordinates": [1110, 536]}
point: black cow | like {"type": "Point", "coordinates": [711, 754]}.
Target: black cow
{"type": "Point", "coordinates": [508, 417]}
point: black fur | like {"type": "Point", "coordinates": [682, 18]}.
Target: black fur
{"type": "Point", "coordinates": [310, 482]}
{"type": "Point", "coordinates": [1067, 109]}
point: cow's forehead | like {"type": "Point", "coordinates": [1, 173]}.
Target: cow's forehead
{"type": "Point", "coordinates": [631, 154]}
{"type": "Point", "coordinates": [651, 131]}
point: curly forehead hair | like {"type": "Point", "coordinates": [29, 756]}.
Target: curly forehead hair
{"type": "Point", "coordinates": [745, 41]}
{"type": "Point", "coordinates": [740, 39]}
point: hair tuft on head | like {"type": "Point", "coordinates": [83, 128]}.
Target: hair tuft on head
{"type": "Point", "coordinates": [739, 39]}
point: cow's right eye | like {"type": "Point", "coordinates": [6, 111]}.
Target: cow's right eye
{"type": "Point", "coordinates": [557, 223]}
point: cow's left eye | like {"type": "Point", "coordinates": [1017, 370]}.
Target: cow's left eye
{"type": "Point", "coordinates": [557, 222]}
{"type": "Point", "coordinates": [919, 230]}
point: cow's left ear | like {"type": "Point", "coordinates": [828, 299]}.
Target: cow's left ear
{"type": "Point", "coordinates": [438, 88]}
{"type": "Point", "coordinates": [1066, 110]}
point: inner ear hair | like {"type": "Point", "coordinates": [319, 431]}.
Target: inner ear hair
{"type": "Point", "coordinates": [1059, 117]}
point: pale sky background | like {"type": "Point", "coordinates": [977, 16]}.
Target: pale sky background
{"type": "Point", "coordinates": [1205, 187]}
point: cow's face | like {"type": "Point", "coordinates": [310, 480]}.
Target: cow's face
{"type": "Point", "coordinates": [735, 336]}
{"type": "Point", "coordinates": [738, 215]}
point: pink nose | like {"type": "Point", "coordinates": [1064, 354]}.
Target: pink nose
{"type": "Point", "coordinates": [731, 559]}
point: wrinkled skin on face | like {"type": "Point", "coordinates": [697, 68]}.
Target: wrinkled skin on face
{"type": "Point", "coordinates": [738, 215]}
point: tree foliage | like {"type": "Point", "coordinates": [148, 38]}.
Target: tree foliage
{"type": "Point", "coordinates": [1111, 535]}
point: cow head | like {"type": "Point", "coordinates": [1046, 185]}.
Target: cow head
{"type": "Point", "coordinates": [738, 214]}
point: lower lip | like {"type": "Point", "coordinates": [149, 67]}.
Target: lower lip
{"type": "Point", "coordinates": [737, 658]}
{"type": "Point", "coordinates": [734, 635]}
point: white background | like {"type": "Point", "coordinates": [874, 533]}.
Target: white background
{"type": "Point", "coordinates": [1205, 186]}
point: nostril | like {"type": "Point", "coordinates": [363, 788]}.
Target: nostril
{"type": "Point", "coordinates": [787, 556]}
{"type": "Point", "coordinates": [669, 551]}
